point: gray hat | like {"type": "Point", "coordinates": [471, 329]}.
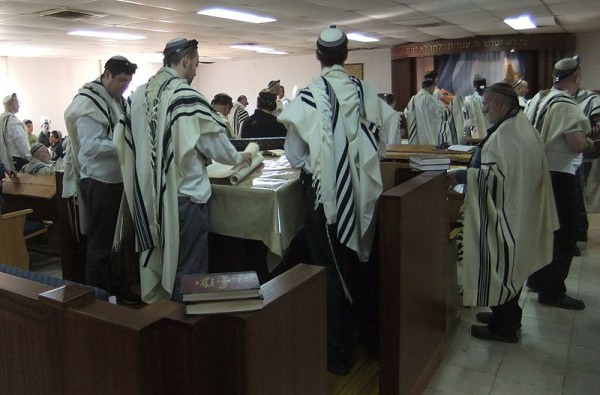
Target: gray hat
{"type": "Point", "coordinates": [564, 68]}
{"type": "Point", "coordinates": [332, 37]}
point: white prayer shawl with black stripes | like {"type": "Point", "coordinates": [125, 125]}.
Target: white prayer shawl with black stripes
{"type": "Point", "coordinates": [589, 102]}
{"type": "Point", "coordinates": [94, 101]}
{"type": "Point", "coordinates": [327, 118]}
{"type": "Point", "coordinates": [510, 215]}
{"type": "Point", "coordinates": [7, 119]}
{"type": "Point", "coordinates": [554, 113]}
{"type": "Point", "coordinates": [162, 123]}
{"type": "Point", "coordinates": [237, 116]}
{"type": "Point", "coordinates": [426, 119]}
{"type": "Point", "coordinates": [474, 119]}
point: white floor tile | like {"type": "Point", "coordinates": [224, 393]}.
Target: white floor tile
{"type": "Point", "coordinates": [540, 349]}
{"type": "Point", "coordinates": [519, 367]}
{"type": "Point", "coordinates": [504, 386]}
{"type": "Point", "coordinates": [588, 337]}
{"type": "Point", "coordinates": [582, 383]}
{"type": "Point", "coordinates": [551, 330]}
{"type": "Point", "coordinates": [456, 380]}
{"type": "Point", "coordinates": [584, 359]}
{"type": "Point", "coordinates": [475, 356]}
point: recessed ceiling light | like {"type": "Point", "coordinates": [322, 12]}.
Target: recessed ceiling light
{"type": "Point", "coordinates": [520, 23]}
{"type": "Point", "coordinates": [105, 34]}
{"type": "Point", "coordinates": [235, 15]}
{"type": "Point", "coordinates": [361, 37]}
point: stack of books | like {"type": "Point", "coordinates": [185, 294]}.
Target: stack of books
{"type": "Point", "coordinates": [215, 293]}
{"type": "Point", "coordinates": [427, 162]}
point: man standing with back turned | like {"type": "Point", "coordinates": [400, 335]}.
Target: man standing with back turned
{"type": "Point", "coordinates": [563, 128]}
{"type": "Point", "coordinates": [168, 132]}
{"type": "Point", "coordinates": [334, 137]}
{"type": "Point", "coordinates": [92, 170]}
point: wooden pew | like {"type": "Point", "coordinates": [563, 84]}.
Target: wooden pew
{"type": "Point", "coordinates": [413, 228]}
{"type": "Point", "coordinates": [63, 341]}
{"type": "Point", "coordinates": [13, 250]}
{"type": "Point", "coordinates": [42, 194]}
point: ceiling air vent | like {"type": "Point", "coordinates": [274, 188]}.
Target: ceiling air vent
{"type": "Point", "coordinates": [71, 15]}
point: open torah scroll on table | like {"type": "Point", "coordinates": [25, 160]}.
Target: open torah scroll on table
{"type": "Point", "coordinates": [266, 206]}
{"type": "Point", "coordinates": [237, 173]}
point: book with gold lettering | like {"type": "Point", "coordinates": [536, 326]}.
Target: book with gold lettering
{"type": "Point", "coordinates": [220, 286]}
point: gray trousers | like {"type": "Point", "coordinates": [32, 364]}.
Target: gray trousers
{"type": "Point", "coordinates": [193, 241]}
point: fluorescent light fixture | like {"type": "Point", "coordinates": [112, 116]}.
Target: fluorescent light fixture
{"type": "Point", "coordinates": [273, 52]}
{"type": "Point", "coordinates": [105, 34]}
{"type": "Point", "coordinates": [23, 50]}
{"type": "Point", "coordinates": [520, 23]}
{"type": "Point", "coordinates": [361, 37]}
{"type": "Point", "coordinates": [251, 47]}
{"type": "Point", "coordinates": [235, 15]}
{"type": "Point", "coordinates": [258, 49]}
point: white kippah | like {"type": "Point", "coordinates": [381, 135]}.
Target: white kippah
{"type": "Point", "coordinates": [331, 37]}
{"type": "Point", "coordinates": [174, 43]}
{"type": "Point", "coordinates": [566, 64]}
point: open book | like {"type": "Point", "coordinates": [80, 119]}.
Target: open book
{"type": "Point", "coordinates": [236, 173]}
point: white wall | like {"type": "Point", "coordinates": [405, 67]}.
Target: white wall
{"type": "Point", "coordinates": [47, 86]}
{"type": "Point", "coordinates": [250, 76]}
{"type": "Point", "coordinates": [588, 47]}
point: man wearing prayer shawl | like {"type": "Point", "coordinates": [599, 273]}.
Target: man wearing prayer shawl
{"type": "Point", "coordinates": [334, 137]}
{"type": "Point", "coordinates": [589, 102]}
{"type": "Point", "coordinates": [509, 215]}
{"type": "Point", "coordinates": [563, 128]}
{"type": "Point", "coordinates": [92, 174]}
{"type": "Point", "coordinates": [426, 117]}
{"type": "Point", "coordinates": [238, 115]}
{"type": "Point", "coordinates": [166, 135]}
{"type": "Point", "coordinates": [475, 121]}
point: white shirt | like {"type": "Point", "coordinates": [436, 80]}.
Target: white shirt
{"type": "Point", "coordinates": [97, 153]}
{"type": "Point", "coordinates": [18, 143]}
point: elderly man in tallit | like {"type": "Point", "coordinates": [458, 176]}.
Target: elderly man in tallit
{"type": "Point", "coordinates": [166, 135]}
{"type": "Point", "coordinates": [334, 137]}
{"type": "Point", "coordinates": [509, 215]}
{"type": "Point", "coordinates": [426, 117]}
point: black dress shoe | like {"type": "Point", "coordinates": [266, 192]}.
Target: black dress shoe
{"type": "Point", "coordinates": [532, 286]}
{"type": "Point", "coordinates": [339, 369]}
{"type": "Point", "coordinates": [563, 302]}
{"type": "Point", "coordinates": [485, 333]}
{"type": "Point", "coordinates": [485, 317]}
{"type": "Point", "coordinates": [126, 296]}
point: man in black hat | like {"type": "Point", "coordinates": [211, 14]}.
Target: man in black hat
{"type": "Point", "coordinates": [507, 183]}
{"type": "Point", "coordinates": [334, 123]}
{"type": "Point", "coordinates": [563, 128]}
{"type": "Point", "coordinates": [168, 133]}
{"type": "Point", "coordinates": [92, 172]}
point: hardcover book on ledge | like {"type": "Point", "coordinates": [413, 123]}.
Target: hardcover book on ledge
{"type": "Point", "coordinates": [224, 306]}
{"type": "Point", "coordinates": [220, 286]}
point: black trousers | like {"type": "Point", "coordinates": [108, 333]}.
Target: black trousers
{"type": "Point", "coordinates": [506, 318]}
{"type": "Point", "coordinates": [360, 277]}
{"type": "Point", "coordinates": [550, 280]}
{"type": "Point", "coordinates": [580, 178]}
{"type": "Point", "coordinates": [103, 202]}
{"type": "Point", "coordinates": [18, 163]}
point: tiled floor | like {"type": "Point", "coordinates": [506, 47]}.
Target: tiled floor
{"type": "Point", "coordinates": [558, 352]}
